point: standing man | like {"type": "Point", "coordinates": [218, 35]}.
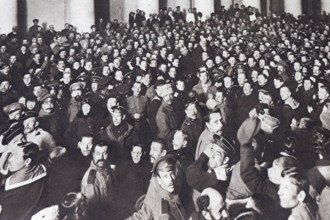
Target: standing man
{"type": "Point", "coordinates": [166, 117]}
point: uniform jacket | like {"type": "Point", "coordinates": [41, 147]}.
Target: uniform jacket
{"type": "Point", "coordinates": [166, 122]}
{"type": "Point", "coordinates": [159, 205]}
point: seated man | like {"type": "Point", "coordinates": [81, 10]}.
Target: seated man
{"type": "Point", "coordinates": [21, 194]}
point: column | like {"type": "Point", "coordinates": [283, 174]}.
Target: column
{"type": "Point", "coordinates": [325, 6]}
{"type": "Point", "coordinates": [117, 10]}
{"type": "Point", "coordinates": [293, 6]}
{"type": "Point", "coordinates": [252, 3]}
{"type": "Point", "coordinates": [184, 4]}
{"type": "Point", "coordinates": [8, 15]}
{"type": "Point", "coordinates": [149, 6]}
{"type": "Point", "coordinates": [226, 3]}
{"type": "Point", "coordinates": [204, 6]}
{"type": "Point", "coordinates": [82, 14]}
{"type": "Point", "coordinates": [129, 5]}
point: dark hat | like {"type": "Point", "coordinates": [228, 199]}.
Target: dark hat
{"type": "Point", "coordinates": [82, 77]}
{"type": "Point", "coordinates": [95, 79]}
{"type": "Point", "coordinates": [164, 163]}
{"type": "Point", "coordinates": [29, 114]}
{"type": "Point", "coordinates": [264, 91]}
{"type": "Point", "coordinates": [35, 20]}
{"type": "Point", "coordinates": [12, 132]}
{"type": "Point", "coordinates": [118, 108]}
{"type": "Point", "coordinates": [104, 82]}
{"type": "Point", "coordinates": [223, 144]}
{"type": "Point", "coordinates": [43, 95]}
{"type": "Point", "coordinates": [31, 97]}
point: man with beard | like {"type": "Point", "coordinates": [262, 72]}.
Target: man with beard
{"type": "Point", "coordinates": [98, 181]}
{"type": "Point", "coordinates": [74, 104]}
{"type": "Point", "coordinates": [49, 119]}
{"type": "Point", "coordinates": [213, 125]}
{"type": "Point", "coordinates": [33, 133]}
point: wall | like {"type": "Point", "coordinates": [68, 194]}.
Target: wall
{"type": "Point", "coordinates": [117, 10]}
{"type": "Point", "coordinates": [48, 12]}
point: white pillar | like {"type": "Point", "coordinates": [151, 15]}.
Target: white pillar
{"type": "Point", "coordinates": [204, 6]}
{"type": "Point", "coordinates": [117, 10]}
{"type": "Point", "coordinates": [293, 6]}
{"type": "Point", "coordinates": [129, 6]}
{"type": "Point", "coordinates": [226, 3]}
{"type": "Point", "coordinates": [184, 4]}
{"type": "Point", "coordinates": [82, 14]}
{"type": "Point", "coordinates": [148, 6]}
{"type": "Point", "coordinates": [8, 15]}
{"type": "Point", "coordinates": [325, 6]}
{"type": "Point", "coordinates": [252, 3]}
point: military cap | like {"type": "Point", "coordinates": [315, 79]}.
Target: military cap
{"type": "Point", "coordinates": [35, 20]}
{"type": "Point", "coordinates": [43, 95]}
{"type": "Point", "coordinates": [104, 82]}
{"type": "Point", "coordinates": [8, 109]}
{"type": "Point", "coordinates": [12, 132]}
{"type": "Point", "coordinates": [118, 108]}
{"type": "Point", "coordinates": [95, 79]}
{"type": "Point", "coordinates": [225, 146]}
{"type": "Point", "coordinates": [75, 86]}
{"type": "Point", "coordinates": [165, 163]}
{"type": "Point", "coordinates": [264, 91]}
{"type": "Point", "coordinates": [82, 77]}
{"type": "Point", "coordinates": [29, 114]}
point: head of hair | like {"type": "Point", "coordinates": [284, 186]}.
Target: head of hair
{"type": "Point", "coordinates": [30, 150]}
{"type": "Point", "coordinates": [101, 143]}
{"type": "Point", "coordinates": [162, 142]}
{"type": "Point", "coordinates": [210, 112]}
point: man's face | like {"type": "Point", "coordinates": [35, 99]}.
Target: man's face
{"type": "Point", "coordinates": [136, 89]}
{"type": "Point", "coordinates": [203, 77]}
{"type": "Point", "coordinates": [15, 160]}
{"type": "Point", "coordinates": [178, 140]}
{"type": "Point", "coordinates": [30, 104]}
{"type": "Point", "coordinates": [322, 93]}
{"type": "Point", "coordinates": [136, 154]}
{"type": "Point", "coordinates": [117, 118]}
{"type": "Point", "coordinates": [30, 124]}
{"type": "Point", "coordinates": [191, 111]}
{"type": "Point", "coordinates": [247, 89]}
{"type": "Point", "coordinates": [166, 179]}
{"type": "Point", "coordinates": [27, 79]}
{"type": "Point", "coordinates": [48, 105]}
{"type": "Point", "coordinates": [217, 157]}
{"type": "Point", "coordinates": [4, 86]}
{"type": "Point", "coordinates": [156, 151]}
{"type": "Point", "coordinates": [215, 123]}
{"type": "Point", "coordinates": [85, 145]}
{"type": "Point", "coordinates": [288, 193]}
{"type": "Point", "coordinates": [100, 156]}
{"type": "Point", "coordinates": [284, 93]}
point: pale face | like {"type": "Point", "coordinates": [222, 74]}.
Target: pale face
{"type": "Point", "coordinates": [215, 124]}
{"type": "Point", "coordinates": [117, 118]}
{"type": "Point", "coordinates": [29, 125]}
{"type": "Point", "coordinates": [86, 108]}
{"type": "Point", "coordinates": [48, 105]}
{"type": "Point", "coordinates": [203, 76]}
{"type": "Point", "coordinates": [191, 111]}
{"type": "Point", "coordinates": [166, 179]}
{"type": "Point", "coordinates": [285, 93]}
{"type": "Point", "coordinates": [288, 193]}
{"type": "Point", "coordinates": [217, 157]}
{"type": "Point", "coordinates": [178, 140]}
{"type": "Point", "coordinates": [100, 156]}
{"type": "Point", "coordinates": [156, 151]}
{"type": "Point", "coordinates": [85, 145]}
{"type": "Point", "coordinates": [136, 154]}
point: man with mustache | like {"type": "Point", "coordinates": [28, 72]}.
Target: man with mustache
{"type": "Point", "coordinates": [98, 181]}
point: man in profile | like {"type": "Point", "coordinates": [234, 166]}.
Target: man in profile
{"type": "Point", "coordinates": [22, 192]}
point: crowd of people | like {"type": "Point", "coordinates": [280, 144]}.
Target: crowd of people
{"type": "Point", "coordinates": [171, 117]}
